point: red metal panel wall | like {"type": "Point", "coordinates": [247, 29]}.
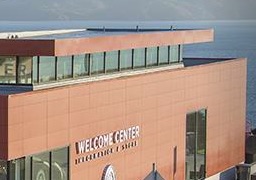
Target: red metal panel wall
{"type": "Point", "coordinates": [3, 127]}
{"type": "Point", "coordinates": [26, 47]}
{"type": "Point", "coordinates": [157, 102]}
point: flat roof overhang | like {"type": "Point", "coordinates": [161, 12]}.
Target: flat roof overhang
{"type": "Point", "coordinates": [81, 45]}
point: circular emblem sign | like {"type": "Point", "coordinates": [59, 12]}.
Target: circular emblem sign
{"type": "Point", "coordinates": [109, 173]}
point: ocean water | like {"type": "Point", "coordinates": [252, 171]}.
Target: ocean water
{"type": "Point", "coordinates": [232, 39]}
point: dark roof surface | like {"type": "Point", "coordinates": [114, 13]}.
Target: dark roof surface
{"type": "Point", "coordinates": [200, 61]}
{"type": "Point", "coordinates": [14, 89]}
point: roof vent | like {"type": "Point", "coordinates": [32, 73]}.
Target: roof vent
{"type": "Point", "coordinates": [137, 28]}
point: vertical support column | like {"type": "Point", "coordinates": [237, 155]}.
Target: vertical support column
{"type": "Point", "coordinates": [158, 60]}
{"type": "Point", "coordinates": [145, 57]}
{"type": "Point", "coordinates": [119, 60]}
{"type": "Point", "coordinates": [17, 69]}
{"type": "Point", "coordinates": [89, 65]}
{"type": "Point", "coordinates": [132, 58]}
{"type": "Point", "coordinates": [104, 63]}
{"type": "Point", "coordinates": [72, 66]}
{"type": "Point", "coordinates": [56, 68]}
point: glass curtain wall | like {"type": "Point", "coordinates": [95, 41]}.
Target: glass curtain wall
{"type": "Point", "coordinates": [25, 70]}
{"type": "Point", "coordinates": [28, 167]}
{"type": "Point", "coordinates": [180, 53]}
{"type": "Point", "coordinates": [97, 63]}
{"type": "Point", "coordinates": [81, 65]}
{"type": "Point", "coordinates": [139, 58]}
{"type": "Point", "coordinates": [51, 165]}
{"type": "Point", "coordinates": [35, 67]}
{"type": "Point", "coordinates": [196, 145]}
{"type": "Point", "coordinates": [47, 69]}
{"type": "Point", "coordinates": [8, 69]}
{"type": "Point", "coordinates": [164, 55]}
{"type": "Point", "coordinates": [151, 56]}
{"type": "Point", "coordinates": [64, 67]}
{"type": "Point", "coordinates": [111, 61]}
{"type": "Point", "coordinates": [174, 52]}
{"type": "Point", "coordinates": [60, 164]}
{"type": "Point", "coordinates": [44, 69]}
{"type": "Point", "coordinates": [3, 170]}
{"type": "Point", "coordinates": [126, 59]}
{"type": "Point", "coordinates": [41, 166]}
{"type": "Point", "coordinates": [16, 169]}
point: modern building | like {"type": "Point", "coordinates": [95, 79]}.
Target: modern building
{"type": "Point", "coordinates": [118, 104]}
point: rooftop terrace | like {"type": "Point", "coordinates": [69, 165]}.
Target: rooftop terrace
{"type": "Point", "coordinates": [79, 33]}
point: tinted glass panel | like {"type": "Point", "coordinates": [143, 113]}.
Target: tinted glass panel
{"type": "Point", "coordinates": [35, 68]}
{"type": "Point", "coordinates": [139, 57]}
{"type": "Point", "coordinates": [97, 63]}
{"type": "Point", "coordinates": [181, 53]}
{"type": "Point", "coordinates": [111, 61]}
{"type": "Point", "coordinates": [174, 53]}
{"type": "Point", "coordinates": [196, 145]}
{"type": "Point", "coordinates": [126, 59]}
{"type": "Point", "coordinates": [7, 69]}
{"type": "Point", "coordinates": [59, 166]}
{"type": "Point", "coordinates": [151, 56]}
{"type": "Point", "coordinates": [201, 143]}
{"type": "Point", "coordinates": [190, 145]}
{"type": "Point", "coordinates": [3, 170]}
{"type": "Point", "coordinates": [163, 55]}
{"type": "Point", "coordinates": [25, 70]}
{"type": "Point", "coordinates": [41, 166]}
{"type": "Point", "coordinates": [46, 69]}
{"type": "Point", "coordinates": [17, 169]}
{"type": "Point", "coordinates": [81, 65]}
{"type": "Point", "coordinates": [64, 67]}
{"type": "Point", "coordinates": [28, 168]}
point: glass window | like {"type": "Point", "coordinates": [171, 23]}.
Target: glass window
{"type": "Point", "coordinates": [3, 170]}
{"type": "Point", "coordinates": [163, 55]}
{"type": "Point", "coordinates": [139, 57]}
{"type": "Point", "coordinates": [112, 61]}
{"type": "Point", "coordinates": [151, 56]}
{"type": "Point", "coordinates": [174, 54]}
{"type": "Point", "coordinates": [64, 67]}
{"type": "Point", "coordinates": [196, 145]}
{"type": "Point", "coordinates": [17, 169]}
{"type": "Point", "coordinates": [28, 168]}
{"type": "Point", "coordinates": [7, 69]}
{"type": "Point", "coordinates": [190, 145]}
{"type": "Point", "coordinates": [41, 166]}
{"type": "Point", "coordinates": [35, 69]}
{"type": "Point", "coordinates": [180, 52]}
{"type": "Point", "coordinates": [97, 63]}
{"type": "Point", "coordinates": [126, 59]}
{"type": "Point", "coordinates": [45, 166]}
{"type": "Point", "coordinates": [24, 70]}
{"type": "Point", "coordinates": [81, 65]}
{"type": "Point", "coordinates": [201, 143]}
{"type": "Point", "coordinates": [46, 69]}
{"type": "Point", "coordinates": [59, 166]}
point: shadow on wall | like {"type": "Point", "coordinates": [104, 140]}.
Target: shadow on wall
{"type": "Point", "coordinates": [228, 174]}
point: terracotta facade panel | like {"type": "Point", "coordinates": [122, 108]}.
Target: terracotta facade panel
{"type": "Point", "coordinates": [66, 116]}
{"type": "Point", "coordinates": [39, 144]}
